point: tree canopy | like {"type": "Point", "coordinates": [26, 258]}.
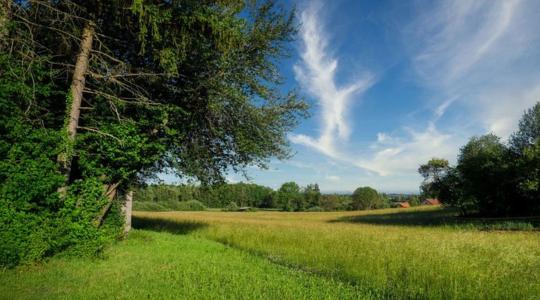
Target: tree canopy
{"type": "Point", "coordinates": [494, 178]}
{"type": "Point", "coordinates": [366, 198]}
{"type": "Point", "coordinates": [96, 96]}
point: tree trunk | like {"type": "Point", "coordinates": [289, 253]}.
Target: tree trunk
{"type": "Point", "coordinates": [110, 192]}
{"type": "Point", "coordinates": [5, 15]}
{"type": "Point", "coordinates": [126, 210]}
{"type": "Point", "coordinates": [75, 99]}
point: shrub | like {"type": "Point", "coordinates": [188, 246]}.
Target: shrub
{"type": "Point", "coordinates": [366, 198]}
{"type": "Point", "coordinates": [315, 209]}
{"type": "Point", "coordinates": [190, 205]}
{"type": "Point", "coordinates": [148, 206]}
{"type": "Point", "coordinates": [231, 207]}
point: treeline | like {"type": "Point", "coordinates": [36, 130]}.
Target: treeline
{"type": "Point", "coordinates": [289, 197]}
{"type": "Point", "coordinates": [492, 177]}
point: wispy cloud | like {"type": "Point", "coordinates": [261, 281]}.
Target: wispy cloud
{"type": "Point", "coordinates": [479, 57]}
{"type": "Point", "coordinates": [402, 155]}
{"type": "Point", "coordinates": [457, 35]}
{"type": "Point", "coordinates": [333, 178]}
{"type": "Point", "coordinates": [466, 53]}
{"type": "Point", "coordinates": [479, 53]}
{"type": "Point", "coordinates": [317, 75]}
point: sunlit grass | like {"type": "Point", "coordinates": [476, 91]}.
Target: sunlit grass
{"type": "Point", "coordinates": [393, 254]}
{"type": "Point", "coordinates": [417, 253]}
{"type": "Point", "coordinates": [152, 265]}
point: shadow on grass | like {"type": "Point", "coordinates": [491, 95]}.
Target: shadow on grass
{"type": "Point", "coordinates": [443, 217]}
{"type": "Point", "coordinates": [164, 225]}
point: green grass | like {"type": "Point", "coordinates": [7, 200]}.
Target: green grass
{"type": "Point", "coordinates": [424, 253]}
{"type": "Point", "coordinates": [168, 266]}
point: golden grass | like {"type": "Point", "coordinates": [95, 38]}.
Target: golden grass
{"type": "Point", "coordinates": [387, 253]}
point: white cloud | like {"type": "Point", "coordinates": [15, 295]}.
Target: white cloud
{"type": "Point", "coordinates": [393, 155]}
{"type": "Point", "coordinates": [317, 75]}
{"type": "Point", "coordinates": [479, 56]}
{"type": "Point", "coordinates": [480, 53]}
{"type": "Point", "coordinates": [333, 178]}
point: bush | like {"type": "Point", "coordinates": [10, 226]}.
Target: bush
{"type": "Point", "coordinates": [35, 222]}
{"type": "Point", "coordinates": [366, 198]}
{"type": "Point", "coordinates": [30, 235]}
{"type": "Point", "coordinates": [315, 209]}
{"type": "Point", "coordinates": [231, 207]}
{"type": "Point", "coordinates": [149, 206]}
{"type": "Point", "coordinates": [190, 205]}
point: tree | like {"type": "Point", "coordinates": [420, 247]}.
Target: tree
{"type": "Point", "coordinates": [75, 96]}
{"type": "Point", "coordinates": [133, 88]}
{"type": "Point", "coordinates": [525, 146]}
{"type": "Point", "coordinates": [432, 171]}
{"type": "Point", "coordinates": [312, 194]}
{"type": "Point", "coordinates": [290, 198]}
{"type": "Point", "coordinates": [493, 179]}
{"type": "Point", "coordinates": [484, 166]}
{"type": "Point", "coordinates": [366, 198]}
{"type": "Point", "coordinates": [528, 131]}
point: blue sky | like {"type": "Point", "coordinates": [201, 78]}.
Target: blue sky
{"type": "Point", "coordinates": [394, 83]}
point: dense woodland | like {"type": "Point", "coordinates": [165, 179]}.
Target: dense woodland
{"type": "Point", "coordinates": [289, 197]}
{"type": "Point", "coordinates": [97, 96]}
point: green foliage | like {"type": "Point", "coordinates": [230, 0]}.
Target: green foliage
{"type": "Point", "coordinates": [528, 131]}
{"type": "Point", "coordinates": [432, 171]}
{"type": "Point", "coordinates": [312, 194]}
{"type": "Point", "coordinates": [366, 198]}
{"type": "Point", "coordinates": [315, 209]}
{"type": "Point", "coordinates": [414, 200]}
{"type": "Point", "coordinates": [34, 230]}
{"type": "Point", "coordinates": [525, 148]}
{"type": "Point", "coordinates": [169, 205]}
{"type": "Point", "coordinates": [331, 202]}
{"type": "Point", "coordinates": [483, 163]}
{"type": "Point", "coordinates": [290, 198]}
{"type": "Point", "coordinates": [231, 207]}
{"type": "Point", "coordinates": [494, 179]}
{"type": "Point", "coordinates": [152, 206]}
{"type": "Point", "coordinates": [191, 205]}
{"type": "Point", "coordinates": [187, 86]}
{"type": "Point", "coordinates": [35, 221]}
{"type": "Point", "coordinates": [216, 196]}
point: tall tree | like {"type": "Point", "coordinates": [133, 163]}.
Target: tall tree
{"type": "Point", "coordinates": [133, 88]}
{"type": "Point", "coordinates": [432, 171]}
{"type": "Point", "coordinates": [73, 109]}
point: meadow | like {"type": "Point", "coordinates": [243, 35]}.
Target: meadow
{"type": "Point", "coordinates": [416, 253]}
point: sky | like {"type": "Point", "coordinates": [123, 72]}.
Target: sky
{"type": "Point", "coordinates": [392, 84]}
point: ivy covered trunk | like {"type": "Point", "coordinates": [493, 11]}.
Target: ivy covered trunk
{"type": "Point", "coordinates": [74, 99]}
{"type": "Point", "coordinates": [110, 191]}
{"type": "Point", "coordinates": [5, 12]}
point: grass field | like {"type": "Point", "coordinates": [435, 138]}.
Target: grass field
{"type": "Point", "coordinates": [415, 253]}
{"type": "Point", "coordinates": [154, 265]}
